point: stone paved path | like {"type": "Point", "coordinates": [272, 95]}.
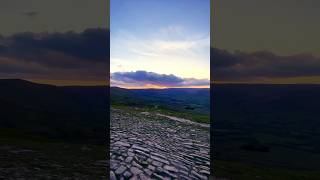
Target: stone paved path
{"type": "Point", "coordinates": [146, 146]}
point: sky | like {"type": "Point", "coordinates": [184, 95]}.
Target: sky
{"type": "Point", "coordinates": [52, 15]}
{"type": "Point", "coordinates": [60, 42]}
{"type": "Point", "coordinates": [160, 44]}
{"type": "Point", "coordinates": [265, 41]}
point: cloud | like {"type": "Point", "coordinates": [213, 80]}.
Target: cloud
{"type": "Point", "coordinates": [168, 41]}
{"type": "Point", "coordinates": [172, 30]}
{"type": "Point", "coordinates": [144, 78]}
{"type": "Point", "coordinates": [173, 45]}
{"type": "Point", "coordinates": [30, 14]}
{"type": "Point", "coordinates": [74, 55]}
{"type": "Point", "coordinates": [239, 66]}
{"type": "Point", "coordinates": [91, 44]}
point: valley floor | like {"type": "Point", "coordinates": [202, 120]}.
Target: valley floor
{"type": "Point", "coordinates": [147, 146]}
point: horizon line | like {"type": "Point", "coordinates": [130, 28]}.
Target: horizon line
{"type": "Point", "coordinates": [105, 83]}
{"type": "Point", "coordinates": [159, 87]}
{"type": "Point", "coordinates": [266, 83]}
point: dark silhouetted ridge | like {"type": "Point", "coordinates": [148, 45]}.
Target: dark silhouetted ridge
{"type": "Point", "coordinates": [66, 112]}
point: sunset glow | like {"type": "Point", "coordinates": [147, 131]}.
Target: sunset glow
{"type": "Point", "coordinates": [160, 38]}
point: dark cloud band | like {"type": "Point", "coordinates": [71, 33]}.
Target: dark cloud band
{"type": "Point", "coordinates": [52, 55]}
{"type": "Point", "coordinates": [241, 66]}
{"type": "Point", "coordinates": [143, 78]}
{"type": "Point", "coordinates": [91, 44]}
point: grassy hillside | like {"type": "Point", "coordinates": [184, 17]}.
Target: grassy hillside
{"type": "Point", "coordinates": [189, 103]}
{"type": "Point", "coordinates": [52, 132]}
{"type": "Point", "coordinates": [68, 113]}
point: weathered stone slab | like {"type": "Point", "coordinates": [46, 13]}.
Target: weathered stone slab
{"type": "Point", "coordinates": [151, 147]}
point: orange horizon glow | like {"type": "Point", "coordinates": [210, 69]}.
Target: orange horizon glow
{"type": "Point", "coordinates": [284, 80]}
{"type": "Point", "coordinates": [105, 83]}
{"type": "Point", "coordinates": [161, 87]}
{"type": "Point", "coordinates": [59, 82]}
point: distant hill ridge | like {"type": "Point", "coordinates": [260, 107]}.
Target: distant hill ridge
{"type": "Point", "coordinates": [47, 97]}
{"type": "Point", "coordinates": [192, 99]}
